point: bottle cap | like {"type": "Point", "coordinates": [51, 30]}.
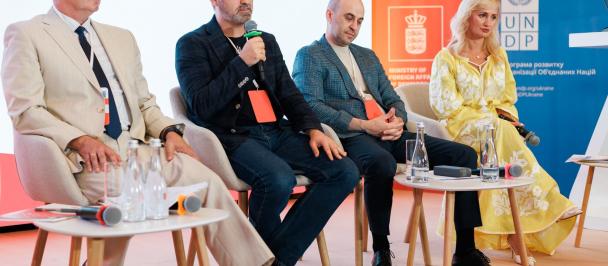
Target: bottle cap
{"type": "Point", "coordinates": [420, 124]}
{"type": "Point", "coordinates": [155, 143]}
{"type": "Point", "coordinates": [133, 143]}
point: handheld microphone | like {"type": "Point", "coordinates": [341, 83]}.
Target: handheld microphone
{"type": "Point", "coordinates": [508, 171]}
{"type": "Point", "coordinates": [186, 204]}
{"type": "Point", "coordinates": [529, 136]}
{"type": "Point", "coordinates": [252, 31]}
{"type": "Point", "coordinates": [105, 215]}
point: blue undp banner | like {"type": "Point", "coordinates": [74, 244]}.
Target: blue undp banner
{"type": "Point", "coordinates": [561, 90]}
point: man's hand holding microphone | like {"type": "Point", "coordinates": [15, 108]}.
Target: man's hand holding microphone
{"type": "Point", "coordinates": [254, 51]}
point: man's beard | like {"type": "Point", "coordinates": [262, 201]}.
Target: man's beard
{"type": "Point", "coordinates": [240, 16]}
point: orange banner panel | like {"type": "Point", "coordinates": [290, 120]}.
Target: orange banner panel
{"type": "Point", "coordinates": [406, 36]}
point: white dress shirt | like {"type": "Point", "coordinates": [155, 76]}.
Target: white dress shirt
{"type": "Point", "coordinates": [101, 55]}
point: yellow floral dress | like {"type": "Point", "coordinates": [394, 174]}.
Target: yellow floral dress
{"type": "Point", "coordinates": [465, 99]}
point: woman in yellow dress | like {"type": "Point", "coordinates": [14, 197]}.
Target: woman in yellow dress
{"type": "Point", "coordinates": [471, 84]}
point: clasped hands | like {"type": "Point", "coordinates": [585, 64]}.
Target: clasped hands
{"type": "Point", "coordinates": [388, 126]}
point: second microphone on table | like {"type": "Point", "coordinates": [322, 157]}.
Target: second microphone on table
{"type": "Point", "coordinates": [510, 170]}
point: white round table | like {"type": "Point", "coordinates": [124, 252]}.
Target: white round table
{"type": "Point", "coordinates": [450, 186]}
{"type": "Point", "coordinates": [96, 233]}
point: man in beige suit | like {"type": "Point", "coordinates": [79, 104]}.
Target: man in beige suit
{"type": "Point", "coordinates": [56, 70]}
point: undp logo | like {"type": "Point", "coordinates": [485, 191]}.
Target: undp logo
{"type": "Point", "coordinates": [520, 2]}
{"type": "Point", "coordinates": [519, 24]}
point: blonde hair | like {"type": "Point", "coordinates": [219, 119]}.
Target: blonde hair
{"type": "Point", "coordinates": [460, 25]}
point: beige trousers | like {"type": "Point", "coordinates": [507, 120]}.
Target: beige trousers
{"type": "Point", "coordinates": [233, 241]}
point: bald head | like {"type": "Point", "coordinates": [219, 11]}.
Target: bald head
{"type": "Point", "coordinates": [344, 19]}
{"type": "Point", "coordinates": [333, 4]}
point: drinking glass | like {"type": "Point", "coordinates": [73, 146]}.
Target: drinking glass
{"type": "Point", "coordinates": [410, 144]}
{"type": "Point", "coordinates": [113, 184]}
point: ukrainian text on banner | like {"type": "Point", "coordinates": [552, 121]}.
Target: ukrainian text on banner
{"type": "Point", "coordinates": [561, 90]}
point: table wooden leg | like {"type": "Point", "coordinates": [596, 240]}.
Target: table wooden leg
{"type": "Point", "coordinates": [178, 245]}
{"type": "Point", "coordinates": [447, 228]}
{"type": "Point", "coordinates": [201, 246]}
{"type": "Point", "coordinates": [406, 239]}
{"type": "Point", "coordinates": [95, 248]}
{"type": "Point", "coordinates": [424, 238]}
{"type": "Point", "coordinates": [244, 202]}
{"type": "Point", "coordinates": [358, 225]}
{"type": "Point", "coordinates": [191, 250]}
{"type": "Point", "coordinates": [581, 220]}
{"type": "Point", "coordinates": [416, 210]}
{"type": "Point", "coordinates": [322, 245]}
{"type": "Point", "coordinates": [518, 229]}
{"type": "Point", "coordinates": [75, 248]}
{"type": "Point", "coordinates": [39, 248]}
{"type": "Point", "coordinates": [365, 228]}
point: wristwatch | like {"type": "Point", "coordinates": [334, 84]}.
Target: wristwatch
{"type": "Point", "coordinates": [179, 129]}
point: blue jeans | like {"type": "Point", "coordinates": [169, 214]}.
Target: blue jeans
{"type": "Point", "coordinates": [266, 161]}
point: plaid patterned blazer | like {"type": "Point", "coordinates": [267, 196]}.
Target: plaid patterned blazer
{"type": "Point", "coordinates": [329, 89]}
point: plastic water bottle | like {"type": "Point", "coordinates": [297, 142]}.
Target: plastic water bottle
{"type": "Point", "coordinates": [489, 157]}
{"type": "Point", "coordinates": [420, 159]}
{"type": "Point", "coordinates": [155, 187]}
{"type": "Point", "coordinates": [134, 186]}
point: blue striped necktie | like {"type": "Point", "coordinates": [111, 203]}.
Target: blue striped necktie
{"type": "Point", "coordinates": [113, 129]}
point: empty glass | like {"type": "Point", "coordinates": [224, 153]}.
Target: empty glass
{"type": "Point", "coordinates": [113, 184]}
{"type": "Point", "coordinates": [410, 144]}
{"type": "Point", "coordinates": [488, 156]}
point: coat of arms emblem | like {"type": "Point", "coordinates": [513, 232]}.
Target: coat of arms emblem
{"type": "Point", "coordinates": [415, 33]}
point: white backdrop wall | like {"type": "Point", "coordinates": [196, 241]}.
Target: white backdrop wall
{"type": "Point", "coordinates": [158, 24]}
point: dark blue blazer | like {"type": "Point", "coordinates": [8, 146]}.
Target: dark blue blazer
{"type": "Point", "coordinates": [214, 81]}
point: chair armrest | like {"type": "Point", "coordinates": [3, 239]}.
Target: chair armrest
{"type": "Point", "coordinates": [332, 134]}
{"type": "Point", "coordinates": [209, 148]}
{"type": "Point", "coordinates": [432, 127]}
{"type": "Point", "coordinates": [206, 145]}
{"type": "Point", "coordinates": [44, 171]}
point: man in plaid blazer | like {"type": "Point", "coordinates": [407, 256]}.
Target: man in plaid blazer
{"type": "Point", "coordinates": [347, 88]}
{"type": "Point", "coordinates": [216, 68]}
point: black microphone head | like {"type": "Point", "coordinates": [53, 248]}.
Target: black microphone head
{"type": "Point", "coordinates": [533, 140]}
{"type": "Point", "coordinates": [516, 170]}
{"type": "Point", "coordinates": [250, 26]}
{"type": "Point", "coordinates": [111, 215]}
{"type": "Point", "coordinates": [192, 204]}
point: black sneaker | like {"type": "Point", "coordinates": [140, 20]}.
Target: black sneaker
{"type": "Point", "coordinates": [383, 258]}
{"type": "Point", "coordinates": [472, 258]}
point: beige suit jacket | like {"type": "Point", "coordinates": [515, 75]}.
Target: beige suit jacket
{"type": "Point", "coordinates": [51, 90]}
